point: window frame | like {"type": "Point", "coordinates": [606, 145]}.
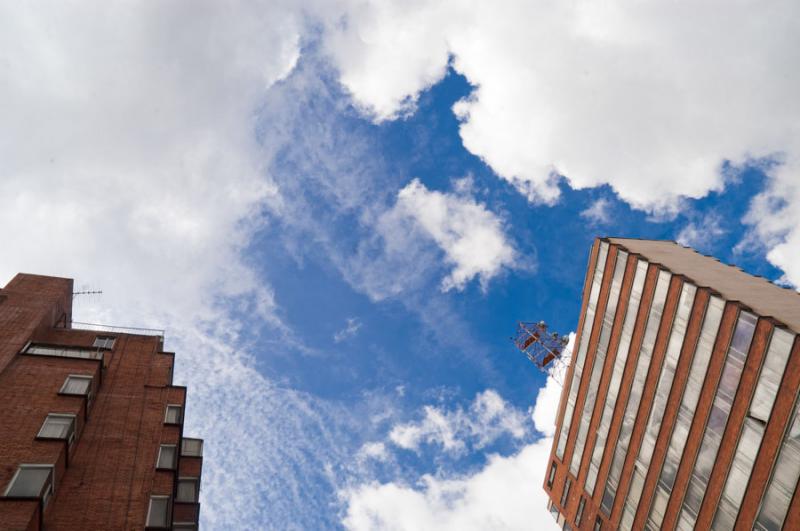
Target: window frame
{"type": "Point", "coordinates": [552, 475]}
{"type": "Point", "coordinates": [47, 490]}
{"type": "Point", "coordinates": [174, 457]}
{"type": "Point", "coordinates": [167, 515]}
{"type": "Point", "coordinates": [183, 442]}
{"type": "Point", "coordinates": [70, 438]}
{"type": "Point", "coordinates": [579, 513]}
{"type": "Point", "coordinates": [104, 342]}
{"type": "Point", "coordinates": [196, 482]}
{"type": "Point", "coordinates": [565, 493]}
{"type": "Point", "coordinates": [180, 414]}
{"type": "Point", "coordinates": [88, 392]}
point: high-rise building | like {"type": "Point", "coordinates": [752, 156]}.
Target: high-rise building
{"type": "Point", "coordinates": [680, 408]}
{"type": "Point", "coordinates": [91, 426]}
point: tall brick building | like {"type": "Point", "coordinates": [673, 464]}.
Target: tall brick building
{"type": "Point", "coordinates": [680, 408]}
{"type": "Point", "coordinates": [91, 426]}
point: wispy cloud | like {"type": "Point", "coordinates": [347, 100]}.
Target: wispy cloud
{"type": "Point", "coordinates": [701, 233]}
{"type": "Point", "coordinates": [597, 212]}
{"type": "Point", "coordinates": [351, 328]}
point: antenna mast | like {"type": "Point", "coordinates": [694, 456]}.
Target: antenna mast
{"type": "Point", "coordinates": [543, 348]}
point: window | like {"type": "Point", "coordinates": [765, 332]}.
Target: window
{"type": "Point", "coordinates": [566, 527]}
{"type": "Point", "coordinates": [64, 352]}
{"type": "Point", "coordinates": [194, 448]}
{"type": "Point", "coordinates": [166, 457]}
{"type": "Point", "coordinates": [105, 342]}
{"type": "Point", "coordinates": [32, 481]}
{"type": "Point", "coordinates": [554, 511]}
{"type": "Point", "coordinates": [173, 414]}
{"type": "Point", "coordinates": [598, 524]}
{"type": "Point", "coordinates": [552, 475]}
{"type": "Point", "coordinates": [579, 514]}
{"type": "Point", "coordinates": [58, 426]}
{"type": "Point", "coordinates": [187, 490]}
{"type": "Point", "coordinates": [565, 494]}
{"type": "Point", "coordinates": [77, 384]}
{"type": "Point", "coordinates": [158, 512]}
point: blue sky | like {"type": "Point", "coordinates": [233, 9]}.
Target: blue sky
{"type": "Point", "coordinates": [340, 211]}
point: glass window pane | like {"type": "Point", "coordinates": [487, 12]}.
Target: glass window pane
{"type": "Point", "coordinates": [77, 385]}
{"type": "Point", "coordinates": [166, 456]}
{"type": "Point", "coordinates": [29, 481]}
{"type": "Point", "coordinates": [57, 427]}
{"type": "Point", "coordinates": [173, 415]}
{"type": "Point", "coordinates": [187, 490]}
{"type": "Point", "coordinates": [158, 515]}
{"type": "Point", "coordinates": [194, 447]}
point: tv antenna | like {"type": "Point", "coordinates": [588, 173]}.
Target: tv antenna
{"type": "Point", "coordinates": [543, 348]}
{"type": "Point", "coordinates": [88, 292]}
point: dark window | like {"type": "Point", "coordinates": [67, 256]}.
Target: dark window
{"type": "Point", "coordinates": [565, 494]}
{"type": "Point", "coordinates": [158, 512]}
{"type": "Point", "coordinates": [579, 515]}
{"type": "Point", "coordinates": [552, 475]}
{"type": "Point", "coordinates": [598, 524]}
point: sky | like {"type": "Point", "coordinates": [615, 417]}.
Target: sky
{"type": "Point", "coordinates": [340, 210]}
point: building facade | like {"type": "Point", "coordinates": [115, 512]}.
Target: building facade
{"type": "Point", "coordinates": [680, 408]}
{"type": "Point", "coordinates": [91, 426]}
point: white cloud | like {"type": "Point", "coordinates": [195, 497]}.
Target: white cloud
{"type": "Point", "coordinates": [700, 234]}
{"type": "Point", "coordinates": [775, 219]}
{"type": "Point", "coordinates": [597, 212]}
{"type": "Point", "coordinates": [506, 493]}
{"type": "Point", "coordinates": [352, 326]}
{"type": "Point", "coordinates": [649, 98]}
{"type": "Point", "coordinates": [487, 418]}
{"type": "Point", "coordinates": [130, 162]}
{"type": "Point", "coordinates": [470, 235]}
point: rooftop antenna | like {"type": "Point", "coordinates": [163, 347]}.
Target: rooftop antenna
{"type": "Point", "coordinates": [88, 292]}
{"type": "Point", "coordinates": [543, 348]}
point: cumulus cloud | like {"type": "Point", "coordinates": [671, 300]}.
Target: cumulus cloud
{"type": "Point", "coordinates": [505, 493]}
{"type": "Point", "coordinates": [649, 98]}
{"type": "Point", "coordinates": [469, 234]}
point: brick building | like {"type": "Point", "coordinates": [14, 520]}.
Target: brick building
{"type": "Point", "coordinates": [680, 408]}
{"type": "Point", "coordinates": [91, 427]}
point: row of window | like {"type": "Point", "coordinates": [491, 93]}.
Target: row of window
{"type": "Point", "coordinates": [580, 358]}
{"type": "Point", "coordinates": [786, 472]}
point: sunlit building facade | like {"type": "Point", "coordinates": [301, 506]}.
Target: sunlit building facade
{"type": "Point", "coordinates": [680, 408]}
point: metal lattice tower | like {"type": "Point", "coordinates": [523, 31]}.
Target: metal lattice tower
{"type": "Point", "coordinates": [543, 348]}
